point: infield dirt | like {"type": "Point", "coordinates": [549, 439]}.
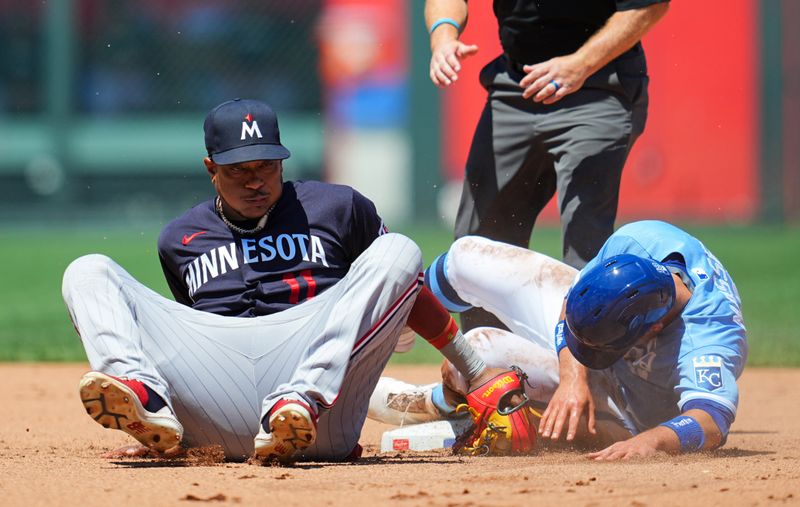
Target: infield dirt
{"type": "Point", "coordinates": [51, 456]}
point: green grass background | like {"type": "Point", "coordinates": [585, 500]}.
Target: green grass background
{"type": "Point", "coordinates": [34, 325]}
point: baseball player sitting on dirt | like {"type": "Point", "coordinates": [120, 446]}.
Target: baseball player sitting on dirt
{"type": "Point", "coordinates": [291, 297]}
{"type": "Point", "coordinates": [637, 353]}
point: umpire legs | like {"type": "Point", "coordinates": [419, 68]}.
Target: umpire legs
{"type": "Point", "coordinates": [523, 151]}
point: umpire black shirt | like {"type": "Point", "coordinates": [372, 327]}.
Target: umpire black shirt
{"type": "Point", "coordinates": [533, 31]}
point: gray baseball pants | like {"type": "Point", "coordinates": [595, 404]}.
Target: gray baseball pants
{"type": "Point", "coordinates": [523, 152]}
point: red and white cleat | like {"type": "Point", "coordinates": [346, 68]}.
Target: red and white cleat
{"type": "Point", "coordinates": [117, 403]}
{"type": "Point", "coordinates": [293, 427]}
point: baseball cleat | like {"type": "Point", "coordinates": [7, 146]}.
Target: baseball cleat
{"type": "Point", "coordinates": [113, 403]}
{"type": "Point", "coordinates": [292, 428]}
{"type": "Point", "coordinates": [399, 403]}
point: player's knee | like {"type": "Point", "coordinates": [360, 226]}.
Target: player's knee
{"type": "Point", "coordinates": [437, 280]}
{"type": "Point", "coordinates": [476, 335]}
{"type": "Point", "coordinates": [483, 337]}
{"type": "Point", "coordinates": [406, 254]}
{"type": "Point", "coordinates": [84, 269]}
{"type": "Point", "coordinates": [458, 257]}
{"type": "Point", "coordinates": [492, 345]}
{"type": "Point", "coordinates": [461, 245]}
{"type": "Point", "coordinates": [399, 242]}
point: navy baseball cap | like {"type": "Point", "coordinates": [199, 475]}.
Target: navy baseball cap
{"type": "Point", "coordinates": [242, 130]}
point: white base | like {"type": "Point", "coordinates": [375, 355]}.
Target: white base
{"type": "Point", "coordinates": [424, 437]}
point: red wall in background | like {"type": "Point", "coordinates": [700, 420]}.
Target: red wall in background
{"type": "Point", "coordinates": [698, 157]}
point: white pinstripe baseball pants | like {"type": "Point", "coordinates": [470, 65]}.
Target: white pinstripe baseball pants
{"type": "Point", "coordinates": [220, 375]}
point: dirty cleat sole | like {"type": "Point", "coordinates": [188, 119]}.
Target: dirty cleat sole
{"type": "Point", "coordinates": [292, 429]}
{"type": "Point", "coordinates": [114, 405]}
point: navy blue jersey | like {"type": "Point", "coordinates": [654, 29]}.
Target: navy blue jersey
{"type": "Point", "coordinates": [313, 235]}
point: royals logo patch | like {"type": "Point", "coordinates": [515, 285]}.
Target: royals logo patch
{"type": "Point", "coordinates": [708, 372]}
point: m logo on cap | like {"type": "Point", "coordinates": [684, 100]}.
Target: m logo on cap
{"type": "Point", "coordinates": [226, 143]}
{"type": "Point", "coordinates": [250, 129]}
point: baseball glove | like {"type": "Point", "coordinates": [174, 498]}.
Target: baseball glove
{"type": "Point", "coordinates": [501, 425]}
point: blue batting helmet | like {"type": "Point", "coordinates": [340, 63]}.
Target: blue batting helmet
{"type": "Point", "coordinates": [613, 305]}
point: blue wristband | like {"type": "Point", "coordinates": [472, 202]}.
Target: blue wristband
{"type": "Point", "coordinates": [561, 336]}
{"type": "Point", "coordinates": [437, 397]}
{"type": "Point", "coordinates": [689, 431]}
{"type": "Point", "coordinates": [445, 21]}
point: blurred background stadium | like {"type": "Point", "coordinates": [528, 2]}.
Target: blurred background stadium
{"type": "Point", "coordinates": [102, 104]}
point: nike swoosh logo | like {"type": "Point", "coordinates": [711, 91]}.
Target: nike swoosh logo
{"type": "Point", "coordinates": [188, 239]}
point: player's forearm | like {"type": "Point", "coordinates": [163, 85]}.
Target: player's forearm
{"type": "Point", "coordinates": [570, 370]}
{"type": "Point", "coordinates": [665, 439]}
{"type": "Point", "coordinates": [441, 9]}
{"type": "Point", "coordinates": [622, 30]}
{"type": "Point", "coordinates": [712, 435]}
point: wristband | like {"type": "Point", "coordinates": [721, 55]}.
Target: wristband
{"type": "Point", "coordinates": [445, 21]}
{"type": "Point", "coordinates": [437, 398]}
{"type": "Point", "coordinates": [689, 431]}
{"type": "Point", "coordinates": [561, 336]}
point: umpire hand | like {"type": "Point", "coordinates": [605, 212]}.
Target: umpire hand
{"type": "Point", "coordinates": [551, 80]}
{"type": "Point", "coordinates": [446, 61]}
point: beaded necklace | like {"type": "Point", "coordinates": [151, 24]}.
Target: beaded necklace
{"type": "Point", "coordinates": [262, 222]}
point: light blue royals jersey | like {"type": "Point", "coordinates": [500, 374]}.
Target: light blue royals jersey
{"type": "Point", "coordinates": [698, 356]}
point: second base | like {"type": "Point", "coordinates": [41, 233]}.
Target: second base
{"type": "Point", "coordinates": [424, 437]}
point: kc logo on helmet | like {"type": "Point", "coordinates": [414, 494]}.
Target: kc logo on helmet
{"type": "Point", "coordinates": [708, 372]}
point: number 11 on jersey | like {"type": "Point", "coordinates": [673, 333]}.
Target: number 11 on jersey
{"type": "Point", "coordinates": [293, 281]}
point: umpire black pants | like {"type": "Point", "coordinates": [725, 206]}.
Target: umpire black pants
{"type": "Point", "coordinates": [523, 152]}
